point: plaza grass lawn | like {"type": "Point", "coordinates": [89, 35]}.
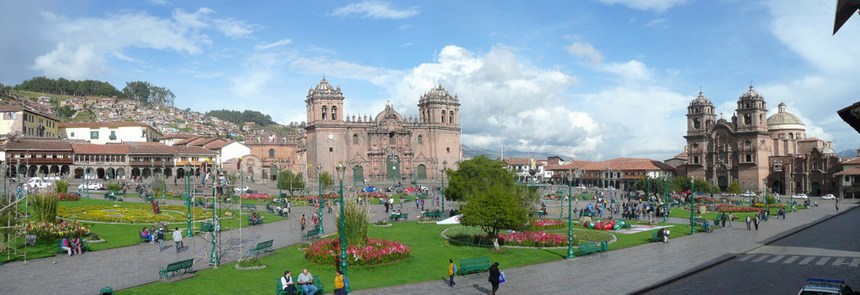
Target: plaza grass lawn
{"type": "Point", "coordinates": [428, 262]}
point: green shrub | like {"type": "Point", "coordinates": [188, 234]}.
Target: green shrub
{"type": "Point", "coordinates": [44, 207]}
{"type": "Point", "coordinates": [356, 224]}
{"type": "Point", "coordinates": [114, 187]}
{"type": "Point", "coordinates": [61, 186]}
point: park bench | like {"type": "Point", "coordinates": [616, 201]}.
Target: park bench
{"type": "Point", "coordinates": [85, 247]}
{"type": "Point", "coordinates": [251, 207]}
{"type": "Point", "coordinates": [252, 222]}
{"type": "Point", "coordinates": [586, 248]}
{"type": "Point", "coordinates": [473, 265]}
{"type": "Point", "coordinates": [311, 234]}
{"type": "Point", "coordinates": [173, 268]}
{"type": "Point", "coordinates": [432, 214]}
{"type": "Point", "coordinates": [317, 282]}
{"type": "Point", "coordinates": [261, 247]}
{"type": "Point", "coordinates": [206, 227]}
{"type": "Point", "coordinates": [110, 196]}
{"type": "Point", "coordinates": [396, 217]}
{"type": "Point", "coordinates": [654, 236]}
{"type": "Point", "coordinates": [537, 214]}
{"type": "Point", "coordinates": [587, 213]}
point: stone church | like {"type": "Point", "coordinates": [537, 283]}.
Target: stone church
{"type": "Point", "coordinates": [388, 148]}
{"type": "Point", "coordinates": [755, 150]}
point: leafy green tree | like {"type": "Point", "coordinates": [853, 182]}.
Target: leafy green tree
{"type": "Point", "coordinates": [291, 182]}
{"type": "Point", "coordinates": [44, 207]}
{"type": "Point", "coordinates": [65, 112]}
{"type": "Point", "coordinates": [61, 186]}
{"type": "Point", "coordinates": [490, 197]}
{"type": "Point", "coordinates": [326, 180]}
{"type": "Point", "coordinates": [734, 188]}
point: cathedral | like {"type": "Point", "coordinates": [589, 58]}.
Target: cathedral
{"type": "Point", "coordinates": [388, 148]}
{"type": "Point", "coordinates": [755, 150]}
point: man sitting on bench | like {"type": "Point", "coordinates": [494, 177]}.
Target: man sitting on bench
{"type": "Point", "coordinates": [306, 280]}
{"type": "Point", "coordinates": [255, 219]}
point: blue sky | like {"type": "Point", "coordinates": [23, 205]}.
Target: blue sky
{"type": "Point", "coordinates": [593, 79]}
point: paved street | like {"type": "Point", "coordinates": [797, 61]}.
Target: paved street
{"type": "Point", "coordinates": [828, 249]}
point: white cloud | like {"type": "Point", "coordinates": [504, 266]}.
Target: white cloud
{"type": "Point", "coordinates": [233, 28]}
{"type": "Point", "coordinates": [585, 51]}
{"type": "Point", "coordinates": [656, 22]}
{"type": "Point", "coordinates": [374, 10]}
{"type": "Point", "coordinates": [345, 69]}
{"type": "Point", "coordinates": [279, 43]}
{"type": "Point", "coordinates": [631, 71]}
{"type": "Point", "coordinates": [654, 5]}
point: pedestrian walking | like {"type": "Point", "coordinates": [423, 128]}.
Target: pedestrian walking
{"type": "Point", "coordinates": [731, 216]}
{"type": "Point", "coordinates": [303, 221]}
{"type": "Point", "coordinates": [495, 276]}
{"type": "Point", "coordinates": [837, 205]}
{"type": "Point", "coordinates": [748, 223]}
{"type": "Point", "coordinates": [452, 269]}
{"type": "Point", "coordinates": [755, 222]}
{"type": "Point", "coordinates": [177, 238]}
{"type": "Point", "coordinates": [159, 237]}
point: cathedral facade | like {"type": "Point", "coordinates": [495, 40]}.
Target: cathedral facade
{"type": "Point", "coordinates": [755, 150]}
{"type": "Point", "coordinates": [387, 148]}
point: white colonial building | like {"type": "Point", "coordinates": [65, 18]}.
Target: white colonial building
{"type": "Point", "coordinates": [108, 132]}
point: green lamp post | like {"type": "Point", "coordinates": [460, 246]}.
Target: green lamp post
{"type": "Point", "coordinates": [343, 261]}
{"type": "Point", "coordinates": [570, 254]}
{"type": "Point", "coordinates": [442, 189]}
{"type": "Point", "coordinates": [692, 208]}
{"type": "Point", "coordinates": [665, 198]}
{"type": "Point", "coordinates": [319, 199]}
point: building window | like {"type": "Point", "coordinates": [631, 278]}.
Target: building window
{"type": "Point", "coordinates": [448, 150]}
{"type": "Point", "coordinates": [451, 117]}
{"type": "Point", "coordinates": [72, 134]}
{"type": "Point", "coordinates": [696, 160]}
{"type": "Point", "coordinates": [94, 135]}
{"type": "Point", "coordinates": [271, 153]}
{"type": "Point", "coordinates": [749, 158]}
{"type": "Point", "coordinates": [334, 113]}
{"type": "Point", "coordinates": [355, 139]}
{"type": "Point", "coordinates": [420, 139]}
{"type": "Point", "coordinates": [330, 149]}
{"type": "Point", "coordinates": [391, 139]}
{"type": "Point", "coordinates": [747, 119]}
{"type": "Point", "coordinates": [696, 123]}
{"type": "Point", "coordinates": [443, 116]}
{"type": "Point", "coordinates": [324, 111]}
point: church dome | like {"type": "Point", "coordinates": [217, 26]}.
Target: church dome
{"type": "Point", "coordinates": [784, 120]}
{"type": "Point", "coordinates": [389, 114]}
{"type": "Point", "coordinates": [438, 95]}
{"type": "Point", "coordinates": [701, 100]}
{"type": "Point", "coordinates": [324, 90]}
{"type": "Point", "coordinates": [750, 95]}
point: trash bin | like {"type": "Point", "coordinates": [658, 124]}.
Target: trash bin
{"type": "Point", "coordinates": [106, 291]}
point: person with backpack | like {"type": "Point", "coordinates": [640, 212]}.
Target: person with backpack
{"type": "Point", "coordinates": [159, 237]}
{"type": "Point", "coordinates": [340, 283]}
{"type": "Point", "coordinates": [452, 269]}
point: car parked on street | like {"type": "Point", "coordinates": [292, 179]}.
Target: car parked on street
{"type": "Point", "coordinates": [800, 196]}
{"type": "Point", "coordinates": [91, 186]}
{"type": "Point", "coordinates": [828, 197]}
{"type": "Point", "coordinates": [818, 286]}
{"type": "Point", "coordinates": [369, 189]}
{"type": "Point", "coordinates": [244, 190]}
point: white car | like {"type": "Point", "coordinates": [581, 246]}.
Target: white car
{"type": "Point", "coordinates": [243, 189]}
{"type": "Point", "coordinates": [828, 197]}
{"type": "Point", "coordinates": [800, 196]}
{"type": "Point", "coordinates": [90, 186]}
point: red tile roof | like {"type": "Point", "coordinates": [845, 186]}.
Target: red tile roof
{"type": "Point", "coordinates": [517, 161]}
{"type": "Point", "coordinates": [852, 171]}
{"type": "Point", "coordinates": [617, 164]}
{"type": "Point", "coordinates": [100, 149]}
{"type": "Point", "coordinates": [855, 161]}
{"type": "Point", "coordinates": [20, 108]}
{"type": "Point", "coordinates": [136, 148]}
{"type": "Point", "coordinates": [38, 144]}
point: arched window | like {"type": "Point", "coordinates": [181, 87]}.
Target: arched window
{"type": "Point", "coordinates": [324, 111]}
{"type": "Point", "coordinates": [747, 119]}
{"type": "Point", "coordinates": [334, 113]}
{"type": "Point", "coordinates": [696, 123]}
{"type": "Point", "coordinates": [443, 116]}
{"type": "Point", "coordinates": [391, 139]}
{"type": "Point", "coordinates": [420, 139]}
{"type": "Point", "coordinates": [271, 153]}
{"type": "Point", "coordinates": [451, 117]}
{"type": "Point", "coordinates": [791, 136]}
{"type": "Point", "coordinates": [355, 138]}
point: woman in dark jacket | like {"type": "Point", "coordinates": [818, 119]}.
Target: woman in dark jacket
{"type": "Point", "coordinates": [494, 277]}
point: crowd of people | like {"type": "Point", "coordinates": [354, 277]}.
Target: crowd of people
{"type": "Point", "coordinates": [155, 234]}
{"type": "Point", "coordinates": [305, 282]}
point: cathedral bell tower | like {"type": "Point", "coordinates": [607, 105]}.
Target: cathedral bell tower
{"type": "Point", "coordinates": [324, 104]}
{"type": "Point", "coordinates": [752, 112]}
{"type": "Point", "coordinates": [701, 118]}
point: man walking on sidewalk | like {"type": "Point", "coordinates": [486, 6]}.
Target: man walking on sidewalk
{"type": "Point", "coordinates": [177, 238]}
{"type": "Point", "coordinates": [748, 223]}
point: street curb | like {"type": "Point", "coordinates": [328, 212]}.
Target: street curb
{"type": "Point", "coordinates": [695, 270]}
{"type": "Point", "coordinates": [727, 257]}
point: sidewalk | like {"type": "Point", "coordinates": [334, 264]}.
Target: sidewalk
{"type": "Point", "coordinates": [626, 270]}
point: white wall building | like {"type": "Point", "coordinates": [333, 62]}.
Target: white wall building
{"type": "Point", "coordinates": [109, 132]}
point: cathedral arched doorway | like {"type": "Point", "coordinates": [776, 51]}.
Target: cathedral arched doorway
{"type": "Point", "coordinates": [723, 182]}
{"type": "Point", "coordinates": [421, 172]}
{"type": "Point", "coordinates": [392, 169]}
{"type": "Point", "coordinates": [357, 174]}
{"type": "Point", "coordinates": [815, 189]}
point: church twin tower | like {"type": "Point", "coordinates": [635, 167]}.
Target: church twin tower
{"type": "Point", "coordinates": [388, 147]}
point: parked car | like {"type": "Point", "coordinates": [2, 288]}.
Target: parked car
{"type": "Point", "coordinates": [90, 186]}
{"type": "Point", "coordinates": [609, 188]}
{"type": "Point", "coordinates": [800, 196]}
{"type": "Point", "coordinates": [825, 286]}
{"type": "Point", "coordinates": [369, 189]}
{"type": "Point", "coordinates": [828, 197]}
{"type": "Point", "coordinates": [244, 190]}
{"type": "Point", "coordinates": [409, 190]}
{"type": "Point", "coordinates": [38, 182]}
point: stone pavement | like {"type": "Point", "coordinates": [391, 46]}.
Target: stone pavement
{"type": "Point", "coordinates": [627, 270]}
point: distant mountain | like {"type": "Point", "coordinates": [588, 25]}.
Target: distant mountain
{"type": "Point", "coordinates": [470, 152]}
{"type": "Point", "coordinates": [847, 154]}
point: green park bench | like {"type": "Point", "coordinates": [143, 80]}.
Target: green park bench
{"type": "Point", "coordinates": [537, 214]}
{"type": "Point", "coordinates": [84, 246]}
{"type": "Point", "coordinates": [473, 265]}
{"type": "Point", "coordinates": [207, 227]}
{"type": "Point", "coordinates": [586, 248]}
{"type": "Point", "coordinates": [397, 217]}
{"type": "Point", "coordinates": [317, 282]}
{"type": "Point", "coordinates": [173, 268]}
{"type": "Point", "coordinates": [110, 196]}
{"type": "Point", "coordinates": [261, 247]}
{"type": "Point", "coordinates": [251, 207]}
{"type": "Point", "coordinates": [587, 213]}
{"type": "Point", "coordinates": [432, 214]}
{"type": "Point", "coordinates": [311, 234]}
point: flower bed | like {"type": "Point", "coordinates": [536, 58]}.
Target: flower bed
{"type": "Point", "coordinates": [255, 196]}
{"type": "Point", "coordinates": [47, 230]}
{"type": "Point", "coordinates": [313, 197]}
{"type": "Point", "coordinates": [376, 252]}
{"type": "Point", "coordinates": [130, 214]}
{"type": "Point", "coordinates": [371, 195]}
{"type": "Point", "coordinates": [532, 239]}
{"type": "Point", "coordinates": [68, 197]}
{"type": "Point", "coordinates": [546, 224]}
{"type": "Point", "coordinates": [732, 208]}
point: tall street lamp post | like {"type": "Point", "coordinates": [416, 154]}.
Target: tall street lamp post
{"type": "Point", "coordinates": [665, 198]}
{"type": "Point", "coordinates": [570, 217]}
{"type": "Point", "coordinates": [444, 167]}
{"type": "Point", "coordinates": [319, 198]}
{"type": "Point", "coordinates": [532, 171]}
{"type": "Point", "coordinates": [692, 209]}
{"type": "Point", "coordinates": [766, 201]}
{"type": "Point", "coordinates": [343, 263]}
